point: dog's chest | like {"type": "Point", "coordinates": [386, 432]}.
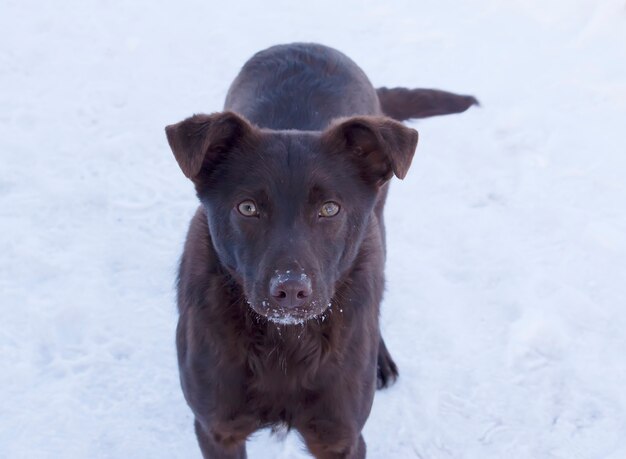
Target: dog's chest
{"type": "Point", "coordinates": [285, 375]}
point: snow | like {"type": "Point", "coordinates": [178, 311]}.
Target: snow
{"type": "Point", "coordinates": [506, 302]}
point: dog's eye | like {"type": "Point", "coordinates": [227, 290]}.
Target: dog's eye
{"type": "Point", "coordinates": [329, 209]}
{"type": "Point", "coordinates": [248, 208]}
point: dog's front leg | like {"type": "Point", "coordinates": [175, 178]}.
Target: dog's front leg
{"type": "Point", "coordinates": [218, 443]}
{"type": "Point", "coordinates": [333, 444]}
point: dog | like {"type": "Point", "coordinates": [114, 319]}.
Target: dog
{"type": "Point", "coordinates": [281, 277]}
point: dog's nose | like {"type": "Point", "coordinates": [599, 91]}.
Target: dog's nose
{"type": "Point", "coordinates": [290, 290]}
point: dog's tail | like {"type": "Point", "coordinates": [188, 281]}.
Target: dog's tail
{"type": "Point", "coordinates": [403, 104]}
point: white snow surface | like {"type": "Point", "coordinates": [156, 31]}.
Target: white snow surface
{"type": "Point", "coordinates": [506, 298]}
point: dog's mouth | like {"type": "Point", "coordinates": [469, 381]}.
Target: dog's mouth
{"type": "Point", "coordinates": [313, 310]}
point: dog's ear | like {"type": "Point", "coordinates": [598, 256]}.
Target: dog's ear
{"type": "Point", "coordinates": [382, 146]}
{"type": "Point", "coordinates": [199, 141]}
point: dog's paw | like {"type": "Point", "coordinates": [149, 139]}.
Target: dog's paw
{"type": "Point", "coordinates": [387, 370]}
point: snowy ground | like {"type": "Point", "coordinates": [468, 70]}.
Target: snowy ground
{"type": "Point", "coordinates": [506, 304]}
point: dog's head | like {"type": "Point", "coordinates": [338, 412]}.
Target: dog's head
{"type": "Point", "coordinates": [288, 210]}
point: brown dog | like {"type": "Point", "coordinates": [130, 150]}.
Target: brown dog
{"type": "Point", "coordinates": [282, 273]}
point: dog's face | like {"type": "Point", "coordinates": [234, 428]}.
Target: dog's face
{"type": "Point", "coordinates": [288, 210]}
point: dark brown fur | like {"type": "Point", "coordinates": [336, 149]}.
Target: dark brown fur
{"type": "Point", "coordinates": [403, 104]}
{"type": "Point", "coordinates": [303, 126]}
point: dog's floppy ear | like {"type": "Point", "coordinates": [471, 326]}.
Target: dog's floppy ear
{"type": "Point", "coordinates": [382, 146]}
{"type": "Point", "coordinates": [200, 140]}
